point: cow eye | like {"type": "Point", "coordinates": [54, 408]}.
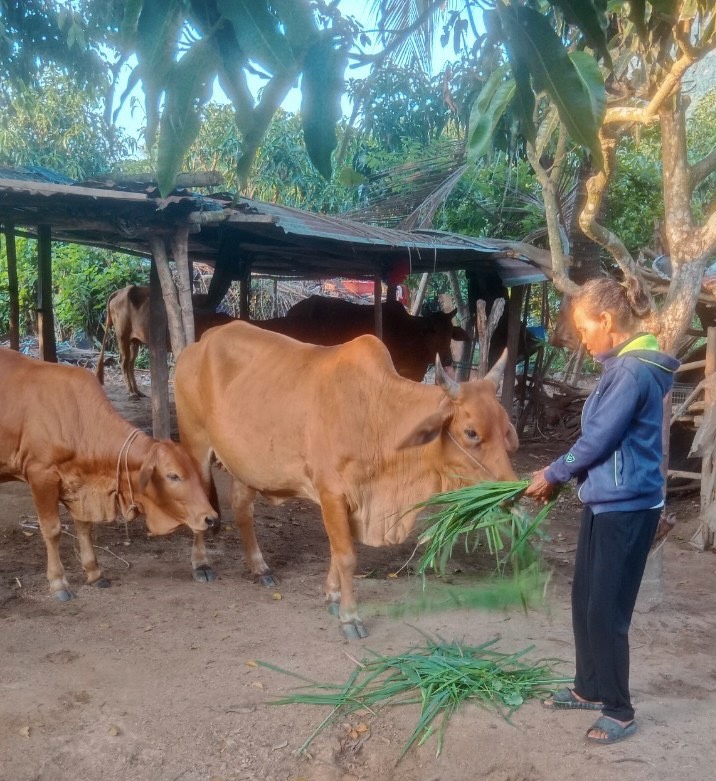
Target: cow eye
{"type": "Point", "coordinates": [470, 433]}
{"type": "Point", "coordinates": [173, 477]}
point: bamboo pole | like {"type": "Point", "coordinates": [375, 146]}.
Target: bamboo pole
{"type": "Point", "coordinates": [13, 287]}
{"type": "Point", "coordinates": [45, 314]}
{"type": "Point", "coordinates": [420, 295]}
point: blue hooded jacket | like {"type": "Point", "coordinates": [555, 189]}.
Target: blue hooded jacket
{"type": "Point", "coordinates": [617, 459]}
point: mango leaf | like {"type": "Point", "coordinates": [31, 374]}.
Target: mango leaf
{"type": "Point", "coordinates": [299, 23]}
{"type": "Point", "coordinates": [321, 90]}
{"type": "Point", "coordinates": [576, 91]}
{"type": "Point", "coordinates": [591, 20]}
{"type": "Point", "coordinates": [130, 20]}
{"type": "Point", "coordinates": [517, 56]}
{"type": "Point", "coordinates": [592, 78]}
{"type": "Point", "coordinates": [349, 177]}
{"type": "Point", "coordinates": [637, 12]}
{"type": "Point", "coordinates": [188, 90]}
{"type": "Point", "coordinates": [483, 121]}
{"type": "Point", "coordinates": [545, 130]}
{"type": "Point", "coordinates": [158, 30]}
{"type": "Point", "coordinates": [258, 33]}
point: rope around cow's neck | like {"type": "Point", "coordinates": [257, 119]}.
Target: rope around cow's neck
{"type": "Point", "coordinates": [471, 457]}
{"type": "Point", "coordinates": [124, 451]}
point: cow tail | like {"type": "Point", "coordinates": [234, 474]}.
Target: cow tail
{"type": "Point", "coordinates": [99, 371]}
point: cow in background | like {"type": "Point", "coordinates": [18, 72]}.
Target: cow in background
{"type": "Point", "coordinates": [412, 342]}
{"type": "Point", "coordinates": [61, 436]}
{"type": "Point", "coordinates": [339, 426]}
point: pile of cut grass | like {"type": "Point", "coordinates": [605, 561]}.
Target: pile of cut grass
{"type": "Point", "coordinates": [440, 677]}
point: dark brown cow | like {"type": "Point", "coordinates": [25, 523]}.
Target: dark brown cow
{"type": "Point", "coordinates": [60, 435]}
{"type": "Point", "coordinates": [412, 342]}
{"type": "Point", "coordinates": [339, 426]}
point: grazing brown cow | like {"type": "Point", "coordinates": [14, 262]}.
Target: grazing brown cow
{"type": "Point", "coordinates": [60, 435]}
{"type": "Point", "coordinates": [339, 426]}
{"type": "Point", "coordinates": [412, 342]}
{"type": "Point", "coordinates": [128, 312]}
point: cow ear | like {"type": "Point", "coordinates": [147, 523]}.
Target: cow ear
{"type": "Point", "coordinates": [512, 441]}
{"type": "Point", "coordinates": [452, 314]}
{"type": "Point", "coordinates": [426, 431]}
{"type": "Point", "coordinates": [459, 334]}
{"type": "Point", "coordinates": [148, 466]}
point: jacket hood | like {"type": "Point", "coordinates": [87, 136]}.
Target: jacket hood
{"type": "Point", "coordinates": [645, 349]}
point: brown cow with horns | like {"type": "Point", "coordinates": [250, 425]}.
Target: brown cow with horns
{"type": "Point", "coordinates": [60, 434]}
{"type": "Point", "coordinates": [339, 426]}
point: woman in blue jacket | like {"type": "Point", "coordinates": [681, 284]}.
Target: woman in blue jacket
{"type": "Point", "coordinates": [617, 464]}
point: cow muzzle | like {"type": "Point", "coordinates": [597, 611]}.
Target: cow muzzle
{"type": "Point", "coordinates": [213, 522]}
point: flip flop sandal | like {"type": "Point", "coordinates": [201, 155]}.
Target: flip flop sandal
{"type": "Point", "coordinates": [613, 730]}
{"type": "Point", "coordinates": [565, 699]}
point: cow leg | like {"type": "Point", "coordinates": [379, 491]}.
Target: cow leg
{"type": "Point", "coordinates": [88, 557]}
{"type": "Point", "coordinates": [46, 496]}
{"type": "Point", "coordinates": [339, 583]}
{"type": "Point", "coordinates": [128, 358]}
{"type": "Point", "coordinates": [242, 503]}
{"type": "Point", "coordinates": [200, 568]}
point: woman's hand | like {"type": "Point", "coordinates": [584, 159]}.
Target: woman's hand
{"type": "Point", "coordinates": [540, 488]}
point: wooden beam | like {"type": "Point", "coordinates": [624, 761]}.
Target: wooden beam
{"type": "Point", "coordinates": [13, 288]}
{"type": "Point", "coordinates": [180, 243]}
{"type": "Point", "coordinates": [45, 314]}
{"type": "Point", "coordinates": [158, 366]}
{"type": "Point", "coordinates": [169, 292]}
{"type": "Point", "coordinates": [245, 296]}
{"type": "Point", "coordinates": [708, 461]}
{"type": "Point", "coordinates": [378, 306]}
{"type": "Point", "coordinates": [514, 320]}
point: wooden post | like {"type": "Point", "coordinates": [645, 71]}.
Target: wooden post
{"type": "Point", "coordinates": [180, 251]}
{"type": "Point", "coordinates": [420, 295]}
{"type": "Point", "coordinates": [514, 320]}
{"type": "Point", "coordinates": [378, 305]}
{"type": "Point", "coordinates": [159, 368]}
{"type": "Point", "coordinates": [708, 462]}
{"type": "Point", "coordinates": [13, 288]}
{"type": "Point", "coordinates": [169, 293]}
{"type": "Point", "coordinates": [245, 296]}
{"type": "Point", "coordinates": [45, 317]}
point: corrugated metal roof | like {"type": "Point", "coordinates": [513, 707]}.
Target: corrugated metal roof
{"type": "Point", "coordinates": [271, 239]}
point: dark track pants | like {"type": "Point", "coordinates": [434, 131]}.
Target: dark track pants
{"type": "Point", "coordinates": [610, 560]}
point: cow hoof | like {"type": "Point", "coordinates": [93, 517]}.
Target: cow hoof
{"type": "Point", "coordinates": [267, 580]}
{"type": "Point", "coordinates": [354, 630]}
{"type": "Point", "coordinates": [334, 608]}
{"type": "Point", "coordinates": [64, 595]}
{"type": "Point", "coordinates": [102, 583]}
{"type": "Point", "coordinates": [203, 574]}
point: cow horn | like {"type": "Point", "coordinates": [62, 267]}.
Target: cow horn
{"type": "Point", "coordinates": [497, 371]}
{"type": "Point", "coordinates": [451, 388]}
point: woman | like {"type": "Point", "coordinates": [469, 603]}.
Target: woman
{"type": "Point", "coordinates": [617, 464]}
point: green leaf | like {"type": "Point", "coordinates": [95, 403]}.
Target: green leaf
{"type": "Point", "coordinates": [349, 177]}
{"type": "Point", "coordinates": [517, 56]}
{"type": "Point", "coordinates": [188, 89]}
{"type": "Point", "coordinates": [258, 33]}
{"type": "Point", "coordinates": [130, 20]}
{"type": "Point", "coordinates": [591, 20]}
{"type": "Point", "coordinates": [637, 12]}
{"type": "Point", "coordinates": [483, 122]}
{"type": "Point", "coordinates": [321, 90]}
{"type": "Point", "coordinates": [547, 127]}
{"type": "Point", "coordinates": [575, 87]}
{"type": "Point", "coordinates": [158, 31]}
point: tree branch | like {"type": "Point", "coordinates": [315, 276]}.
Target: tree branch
{"type": "Point", "coordinates": [701, 169]}
{"type": "Point", "coordinates": [560, 261]}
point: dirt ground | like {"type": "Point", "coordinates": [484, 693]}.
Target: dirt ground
{"type": "Point", "coordinates": [152, 679]}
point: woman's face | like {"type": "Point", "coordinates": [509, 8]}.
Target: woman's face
{"type": "Point", "coordinates": [595, 333]}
